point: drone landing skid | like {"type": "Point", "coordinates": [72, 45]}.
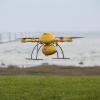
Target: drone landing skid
{"type": "Point", "coordinates": [61, 58]}
{"type": "Point", "coordinates": [33, 59]}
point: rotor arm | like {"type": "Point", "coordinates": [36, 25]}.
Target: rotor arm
{"type": "Point", "coordinates": [33, 40]}
{"type": "Point", "coordinates": [65, 39]}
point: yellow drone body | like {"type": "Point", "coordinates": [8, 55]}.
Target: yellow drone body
{"type": "Point", "coordinates": [47, 38]}
{"type": "Point", "coordinates": [49, 43]}
{"type": "Point", "coordinates": [49, 50]}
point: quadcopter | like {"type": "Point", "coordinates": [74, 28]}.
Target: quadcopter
{"type": "Point", "coordinates": [49, 45]}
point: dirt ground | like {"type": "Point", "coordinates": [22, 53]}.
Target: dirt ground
{"type": "Point", "coordinates": [52, 70]}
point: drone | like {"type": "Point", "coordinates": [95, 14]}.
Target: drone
{"type": "Point", "coordinates": [49, 45]}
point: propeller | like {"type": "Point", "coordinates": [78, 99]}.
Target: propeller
{"type": "Point", "coordinates": [69, 37]}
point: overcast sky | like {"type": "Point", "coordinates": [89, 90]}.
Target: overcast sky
{"type": "Point", "coordinates": [49, 15]}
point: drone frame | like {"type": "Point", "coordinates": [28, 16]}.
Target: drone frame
{"type": "Point", "coordinates": [42, 42]}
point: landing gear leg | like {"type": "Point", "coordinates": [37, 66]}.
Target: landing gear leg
{"type": "Point", "coordinates": [63, 56]}
{"type": "Point", "coordinates": [38, 49]}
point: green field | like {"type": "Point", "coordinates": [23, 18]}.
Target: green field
{"type": "Point", "coordinates": [49, 87]}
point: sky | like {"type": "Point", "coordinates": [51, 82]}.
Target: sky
{"type": "Point", "coordinates": [49, 15]}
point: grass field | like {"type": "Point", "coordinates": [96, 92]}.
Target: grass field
{"type": "Point", "coordinates": [49, 87]}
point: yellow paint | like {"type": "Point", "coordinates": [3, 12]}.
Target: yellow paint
{"type": "Point", "coordinates": [68, 40]}
{"type": "Point", "coordinates": [63, 40]}
{"type": "Point", "coordinates": [49, 50]}
{"type": "Point", "coordinates": [47, 38]}
{"type": "Point", "coordinates": [24, 40]}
